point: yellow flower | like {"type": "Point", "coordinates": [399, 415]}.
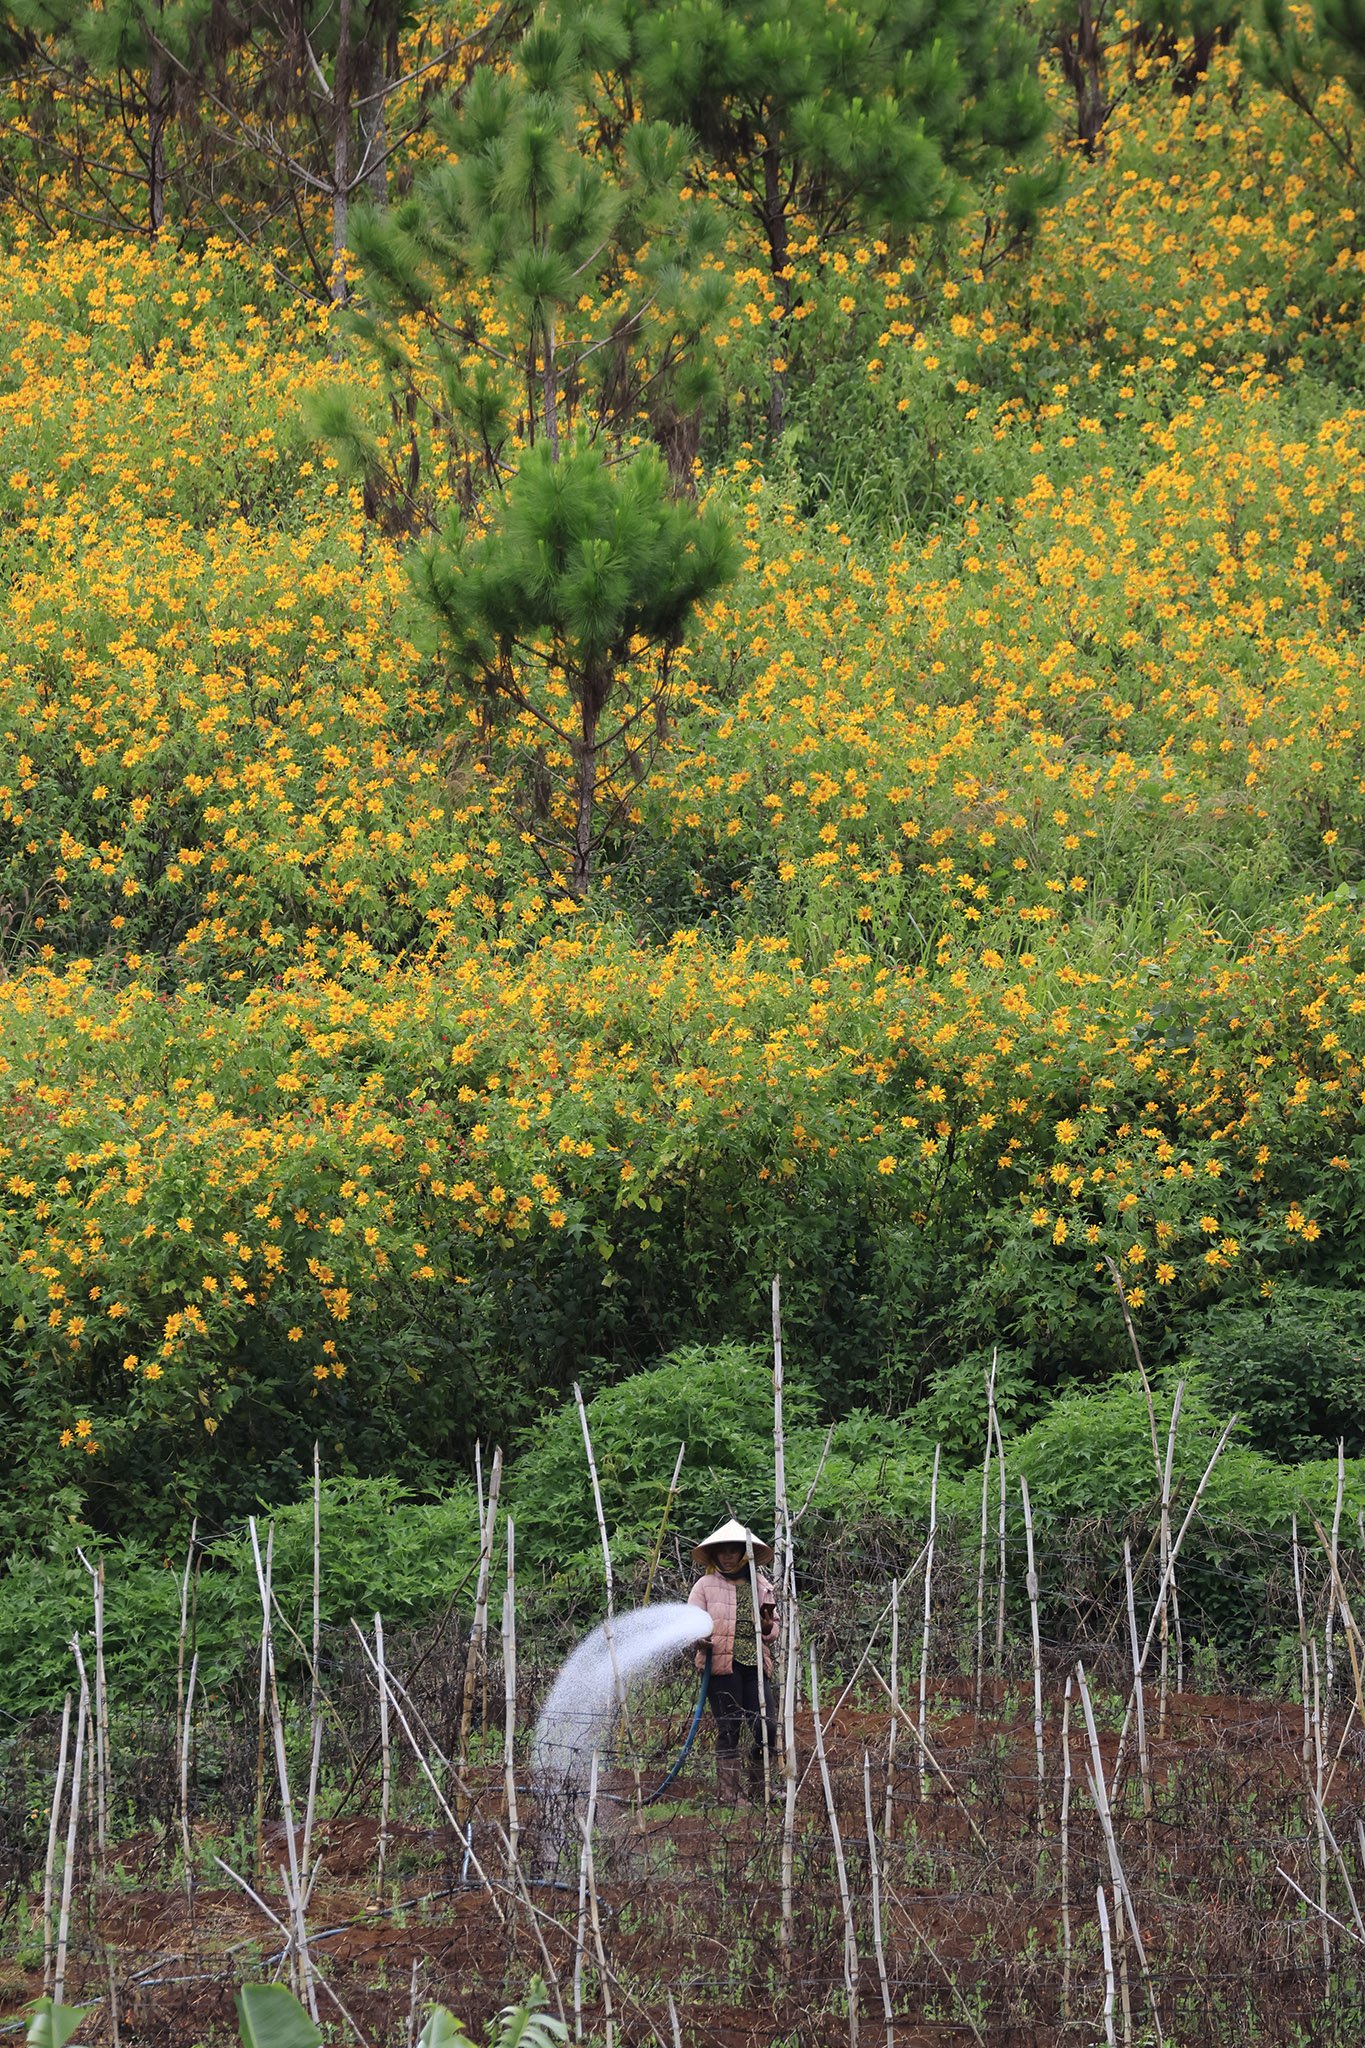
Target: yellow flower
{"type": "Point", "coordinates": [886, 1165]}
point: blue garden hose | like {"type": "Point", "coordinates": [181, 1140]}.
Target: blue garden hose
{"type": "Point", "coordinates": [691, 1735]}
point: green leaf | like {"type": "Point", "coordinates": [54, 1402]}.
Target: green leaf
{"type": "Point", "coordinates": [442, 2030]}
{"type": "Point", "coordinates": [53, 2025]}
{"type": "Point", "coordinates": [268, 2016]}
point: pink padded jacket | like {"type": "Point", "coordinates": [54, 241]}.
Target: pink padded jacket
{"type": "Point", "coordinates": [715, 1594]}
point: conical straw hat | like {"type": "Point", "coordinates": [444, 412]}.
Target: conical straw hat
{"type": "Point", "coordinates": [732, 1532]}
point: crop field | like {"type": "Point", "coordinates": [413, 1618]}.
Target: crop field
{"type": "Point", "coordinates": [944, 1875]}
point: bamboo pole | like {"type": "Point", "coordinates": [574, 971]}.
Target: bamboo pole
{"type": "Point", "coordinates": [878, 1935]}
{"type": "Point", "coordinates": [1296, 1556]}
{"type": "Point", "coordinates": [463, 1832]}
{"type": "Point", "coordinates": [478, 1634]}
{"type": "Point", "coordinates": [1329, 1630]}
{"type": "Point", "coordinates": [1037, 1646]}
{"type": "Point", "coordinates": [385, 1766]}
{"type": "Point", "coordinates": [840, 1869]}
{"type": "Point", "coordinates": [1064, 1851]}
{"type": "Point", "coordinates": [1122, 1895]}
{"type": "Point", "coordinates": [53, 1825]}
{"type": "Point", "coordinates": [1000, 1562]}
{"type": "Point", "coordinates": [292, 1879]}
{"type": "Point", "coordinates": [595, 1921]}
{"type": "Point", "coordinates": [1167, 1578]}
{"type": "Point", "coordinates": [985, 1520]}
{"type": "Point", "coordinates": [1167, 1474]}
{"type": "Point", "coordinates": [315, 1689]}
{"type": "Point", "coordinates": [181, 1639]}
{"type": "Point", "coordinates": [1316, 1789]}
{"type": "Point", "coordinates": [1144, 1759]}
{"type": "Point", "coordinates": [782, 1534]}
{"type": "Point", "coordinates": [99, 1719]}
{"type": "Point", "coordinates": [618, 1684]}
{"type": "Point", "coordinates": [72, 1826]}
{"type": "Point", "coordinates": [928, 1609]}
{"type": "Point", "coordinates": [792, 1627]}
{"type": "Point", "coordinates": [186, 1741]}
{"type": "Point", "coordinates": [509, 1685]}
{"type": "Point", "coordinates": [893, 1727]}
{"type": "Point", "coordinates": [262, 1691]}
{"type": "Point", "coordinates": [581, 1937]}
{"type": "Point", "coordinates": [1103, 1911]}
{"type": "Point", "coordinates": [657, 1551]}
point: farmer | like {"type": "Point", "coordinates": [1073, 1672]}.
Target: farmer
{"type": "Point", "coordinates": [725, 1591]}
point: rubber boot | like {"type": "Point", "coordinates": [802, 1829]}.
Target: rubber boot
{"type": "Point", "coordinates": [727, 1780]}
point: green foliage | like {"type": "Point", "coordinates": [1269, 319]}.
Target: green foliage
{"type": "Point", "coordinates": [717, 1400]}
{"type": "Point", "coordinates": [588, 572]}
{"type": "Point", "coordinates": [383, 1551]}
{"type": "Point", "coordinates": [1319, 66]}
{"type": "Point", "coordinates": [52, 2026]}
{"type": "Point", "coordinates": [269, 2016]}
{"type": "Point", "coordinates": [1293, 1367]}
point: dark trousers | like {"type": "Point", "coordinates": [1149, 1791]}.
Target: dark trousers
{"type": "Point", "coordinates": [735, 1703]}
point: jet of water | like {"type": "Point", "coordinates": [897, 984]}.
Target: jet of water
{"type": "Point", "coordinates": [577, 1715]}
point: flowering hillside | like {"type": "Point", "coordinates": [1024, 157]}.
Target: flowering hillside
{"type": "Point", "coordinates": [990, 911]}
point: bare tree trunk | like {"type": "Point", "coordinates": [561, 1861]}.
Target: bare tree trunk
{"type": "Point", "coordinates": [775, 229]}
{"type": "Point", "coordinates": [341, 151]}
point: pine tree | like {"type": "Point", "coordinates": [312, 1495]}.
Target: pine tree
{"type": "Point", "coordinates": [1305, 64]}
{"type": "Point", "coordinates": [541, 314]}
{"type": "Point", "coordinates": [877, 114]}
{"type": "Point", "coordinates": [124, 60]}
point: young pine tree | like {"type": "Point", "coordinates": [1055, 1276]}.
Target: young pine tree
{"type": "Point", "coordinates": [879, 113]}
{"type": "Point", "coordinates": [542, 316]}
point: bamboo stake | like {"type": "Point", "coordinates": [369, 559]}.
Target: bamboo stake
{"type": "Point", "coordinates": [779, 1444]}
{"type": "Point", "coordinates": [595, 1920]}
{"type": "Point", "coordinates": [1000, 1600]}
{"type": "Point", "coordinates": [385, 1769]}
{"type": "Point", "coordinates": [782, 1534]}
{"type": "Point", "coordinates": [792, 1628]}
{"type": "Point", "coordinates": [315, 1691]}
{"type": "Point", "coordinates": [293, 1882]}
{"type": "Point", "coordinates": [1103, 1911]}
{"type": "Point", "coordinates": [1144, 1760]}
{"type": "Point", "coordinates": [186, 1739]}
{"type": "Point", "coordinates": [509, 1682]}
{"type": "Point", "coordinates": [1065, 1851]}
{"type": "Point", "coordinates": [1329, 1630]}
{"type": "Point", "coordinates": [99, 1720]}
{"type": "Point", "coordinates": [928, 1608]}
{"type": "Point", "coordinates": [581, 1937]}
{"type": "Point", "coordinates": [657, 1551]}
{"type": "Point", "coordinates": [464, 1833]}
{"type": "Point", "coordinates": [840, 1871]}
{"type": "Point", "coordinates": [1166, 1579]}
{"type": "Point", "coordinates": [478, 1634]}
{"type": "Point", "coordinates": [1297, 1559]}
{"type": "Point", "coordinates": [878, 1937]}
{"type": "Point", "coordinates": [478, 1479]}
{"type": "Point", "coordinates": [1122, 1894]}
{"type": "Point", "coordinates": [1032, 1583]}
{"type": "Point", "coordinates": [265, 1653]}
{"type": "Point", "coordinates": [985, 1513]}
{"type": "Point", "coordinates": [53, 1824]}
{"type": "Point", "coordinates": [180, 1648]}
{"type": "Point", "coordinates": [1316, 1789]}
{"type": "Point", "coordinates": [893, 1728]}
{"type": "Point", "coordinates": [674, 2029]}
{"type": "Point", "coordinates": [72, 1824]}
{"type": "Point", "coordinates": [1167, 1473]}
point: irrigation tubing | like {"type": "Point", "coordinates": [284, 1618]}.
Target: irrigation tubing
{"type": "Point", "coordinates": [691, 1735]}
{"type": "Point", "coordinates": [648, 1798]}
